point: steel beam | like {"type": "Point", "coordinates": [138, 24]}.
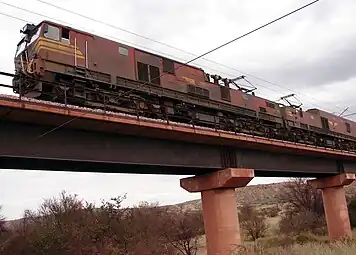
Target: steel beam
{"type": "Point", "coordinates": [23, 146]}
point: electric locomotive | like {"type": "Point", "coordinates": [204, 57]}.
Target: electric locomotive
{"type": "Point", "coordinates": [58, 63]}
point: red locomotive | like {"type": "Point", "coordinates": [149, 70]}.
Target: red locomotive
{"type": "Point", "coordinates": [60, 63]}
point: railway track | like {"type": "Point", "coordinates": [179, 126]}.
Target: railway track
{"type": "Point", "coordinates": [235, 124]}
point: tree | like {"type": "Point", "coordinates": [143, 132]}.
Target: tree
{"type": "Point", "coordinates": [302, 196]}
{"type": "Point", "coordinates": [303, 221]}
{"type": "Point", "coordinates": [2, 223]}
{"type": "Point", "coordinates": [305, 210]}
{"type": "Point", "coordinates": [57, 227]}
{"type": "Point", "coordinates": [253, 222]}
{"type": "Point", "coordinates": [183, 230]}
{"type": "Point", "coordinates": [68, 225]}
{"type": "Point", "coordinates": [352, 211]}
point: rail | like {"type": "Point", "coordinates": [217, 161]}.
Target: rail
{"type": "Point", "coordinates": [142, 114]}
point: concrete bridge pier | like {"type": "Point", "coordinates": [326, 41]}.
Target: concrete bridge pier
{"type": "Point", "coordinates": [335, 205]}
{"type": "Point", "coordinates": [218, 194]}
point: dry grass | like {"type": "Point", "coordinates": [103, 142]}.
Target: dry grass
{"type": "Point", "coordinates": [313, 248]}
{"type": "Point", "coordinates": [298, 249]}
{"type": "Point", "coordinates": [304, 244]}
{"type": "Point", "coordinates": [320, 249]}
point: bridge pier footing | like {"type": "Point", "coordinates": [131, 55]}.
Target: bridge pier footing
{"type": "Point", "coordinates": [222, 228]}
{"type": "Point", "coordinates": [335, 205]}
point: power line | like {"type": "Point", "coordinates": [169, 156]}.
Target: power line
{"type": "Point", "coordinates": [237, 38]}
{"type": "Point", "coordinates": [60, 21]}
{"type": "Point", "coordinates": [106, 24]}
{"type": "Point", "coordinates": [181, 50]}
{"type": "Point", "coordinates": [350, 114]}
{"type": "Point", "coordinates": [233, 40]}
{"type": "Point", "coordinates": [13, 17]}
{"type": "Point", "coordinates": [223, 45]}
{"type": "Point", "coordinates": [248, 33]}
{"type": "Point", "coordinates": [161, 53]}
{"type": "Point", "coordinates": [63, 22]}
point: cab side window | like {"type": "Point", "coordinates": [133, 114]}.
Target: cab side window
{"type": "Point", "coordinates": [65, 35]}
{"type": "Point", "coordinates": [348, 127]}
{"type": "Point", "coordinates": [51, 32]}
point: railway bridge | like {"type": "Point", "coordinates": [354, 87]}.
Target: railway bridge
{"type": "Point", "coordinates": [42, 135]}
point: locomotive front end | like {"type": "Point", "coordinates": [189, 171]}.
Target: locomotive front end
{"type": "Point", "coordinates": [27, 63]}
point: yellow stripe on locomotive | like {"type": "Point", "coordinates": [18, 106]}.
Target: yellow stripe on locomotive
{"type": "Point", "coordinates": [58, 47]}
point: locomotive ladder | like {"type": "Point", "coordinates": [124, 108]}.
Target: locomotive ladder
{"type": "Point", "coordinates": [79, 69]}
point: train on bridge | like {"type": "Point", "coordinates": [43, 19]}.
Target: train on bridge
{"type": "Point", "coordinates": [63, 64]}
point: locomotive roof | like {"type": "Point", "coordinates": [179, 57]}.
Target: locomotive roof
{"type": "Point", "coordinates": [93, 35]}
{"type": "Point", "coordinates": [316, 111]}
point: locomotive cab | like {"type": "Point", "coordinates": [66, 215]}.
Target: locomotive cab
{"type": "Point", "coordinates": [25, 48]}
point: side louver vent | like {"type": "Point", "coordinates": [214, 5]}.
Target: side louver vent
{"type": "Point", "coordinates": [198, 91]}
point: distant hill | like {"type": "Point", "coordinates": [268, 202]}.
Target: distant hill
{"type": "Point", "coordinates": [257, 195]}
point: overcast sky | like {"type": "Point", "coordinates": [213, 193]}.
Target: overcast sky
{"type": "Point", "coordinates": [311, 53]}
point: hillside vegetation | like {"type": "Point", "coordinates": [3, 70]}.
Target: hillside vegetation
{"type": "Point", "coordinates": [259, 195]}
{"type": "Point", "coordinates": [282, 218]}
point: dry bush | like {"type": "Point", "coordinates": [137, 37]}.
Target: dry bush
{"type": "Point", "coordinates": [2, 223]}
{"type": "Point", "coordinates": [303, 221]}
{"type": "Point", "coordinates": [57, 227]}
{"type": "Point", "coordinates": [183, 230]}
{"type": "Point", "coordinates": [276, 241]}
{"type": "Point", "coordinates": [305, 210]}
{"type": "Point", "coordinates": [68, 225]}
{"type": "Point", "coordinates": [352, 211]}
{"type": "Point", "coordinates": [252, 222]}
{"type": "Point", "coordinates": [249, 249]}
{"type": "Point", "coordinates": [147, 228]}
{"type": "Point", "coordinates": [302, 196]}
{"type": "Point", "coordinates": [271, 211]}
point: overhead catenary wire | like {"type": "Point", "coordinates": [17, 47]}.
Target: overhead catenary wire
{"type": "Point", "coordinates": [13, 17]}
{"type": "Point", "coordinates": [237, 38]}
{"type": "Point", "coordinates": [105, 23]}
{"type": "Point", "coordinates": [63, 22]}
{"type": "Point", "coordinates": [158, 52]}
{"type": "Point", "coordinates": [60, 21]}
{"type": "Point", "coordinates": [219, 47]}
{"type": "Point", "coordinates": [176, 48]}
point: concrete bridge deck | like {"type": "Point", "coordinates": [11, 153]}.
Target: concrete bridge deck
{"type": "Point", "coordinates": [43, 135]}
